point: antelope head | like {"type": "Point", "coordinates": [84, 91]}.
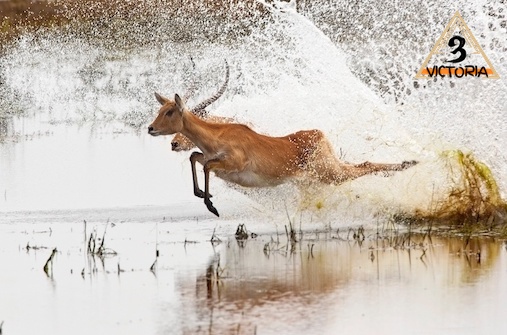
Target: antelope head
{"type": "Point", "coordinates": [160, 126]}
{"type": "Point", "coordinates": [181, 143]}
{"type": "Point", "coordinates": [170, 116]}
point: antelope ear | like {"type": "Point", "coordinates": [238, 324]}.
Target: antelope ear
{"type": "Point", "coordinates": [179, 103]}
{"type": "Point", "coordinates": [161, 99]}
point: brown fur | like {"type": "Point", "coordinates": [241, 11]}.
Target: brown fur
{"type": "Point", "coordinates": [181, 143]}
{"type": "Point", "coordinates": [238, 154]}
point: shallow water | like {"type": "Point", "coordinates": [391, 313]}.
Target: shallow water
{"type": "Point", "coordinates": [74, 106]}
{"type": "Point", "coordinates": [326, 283]}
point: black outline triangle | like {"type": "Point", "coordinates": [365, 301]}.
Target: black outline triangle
{"type": "Point", "coordinates": [456, 21]}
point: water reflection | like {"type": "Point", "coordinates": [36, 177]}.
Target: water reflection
{"type": "Point", "coordinates": [325, 284]}
{"type": "Point", "coordinates": [260, 286]}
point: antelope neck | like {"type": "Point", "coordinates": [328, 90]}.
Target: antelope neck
{"type": "Point", "coordinates": [197, 131]}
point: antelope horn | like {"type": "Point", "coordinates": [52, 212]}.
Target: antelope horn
{"type": "Point", "coordinates": [199, 109]}
{"type": "Point", "coordinates": [193, 84]}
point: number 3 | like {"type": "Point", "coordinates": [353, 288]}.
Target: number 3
{"type": "Point", "coordinates": [459, 48]}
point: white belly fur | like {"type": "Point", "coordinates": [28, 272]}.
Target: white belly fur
{"type": "Point", "coordinates": [249, 179]}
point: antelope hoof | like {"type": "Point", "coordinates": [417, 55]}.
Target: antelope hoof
{"type": "Point", "coordinates": [407, 164]}
{"type": "Point", "coordinates": [200, 193]}
{"type": "Point", "coordinates": [212, 209]}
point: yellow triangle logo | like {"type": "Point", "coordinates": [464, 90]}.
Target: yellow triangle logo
{"type": "Point", "coordinates": [457, 54]}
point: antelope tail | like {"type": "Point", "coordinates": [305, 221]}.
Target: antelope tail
{"type": "Point", "coordinates": [199, 109]}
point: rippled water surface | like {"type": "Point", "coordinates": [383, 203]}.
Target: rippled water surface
{"type": "Point", "coordinates": [78, 170]}
{"type": "Point", "coordinates": [328, 282]}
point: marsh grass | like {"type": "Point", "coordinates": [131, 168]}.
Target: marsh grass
{"type": "Point", "coordinates": [286, 249]}
{"type": "Point", "coordinates": [476, 197]}
{"type": "Point", "coordinates": [241, 235]}
{"type": "Point", "coordinates": [96, 245]}
{"type": "Point", "coordinates": [95, 248]}
{"type": "Point", "coordinates": [473, 204]}
{"type": "Point", "coordinates": [241, 232]}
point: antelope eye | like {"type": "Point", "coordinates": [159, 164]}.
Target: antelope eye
{"type": "Point", "coordinates": [169, 112]}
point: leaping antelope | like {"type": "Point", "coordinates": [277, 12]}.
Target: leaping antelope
{"type": "Point", "coordinates": [237, 154]}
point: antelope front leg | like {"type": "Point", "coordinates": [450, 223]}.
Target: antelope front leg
{"type": "Point", "coordinates": [196, 157]}
{"type": "Point", "coordinates": [208, 166]}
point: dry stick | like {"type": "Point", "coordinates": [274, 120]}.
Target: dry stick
{"type": "Point", "coordinates": [292, 235]}
{"type": "Point", "coordinates": [101, 249]}
{"type": "Point", "coordinates": [84, 247]}
{"type": "Point", "coordinates": [432, 199]}
{"type": "Point", "coordinates": [287, 212]}
{"type": "Point", "coordinates": [152, 267]}
{"type": "Point", "coordinates": [84, 221]}
{"type": "Point", "coordinates": [91, 250]}
{"type": "Point", "coordinates": [214, 238]}
{"type": "Point", "coordinates": [120, 270]}
{"type": "Point", "coordinates": [50, 260]}
{"type": "Point", "coordinates": [300, 223]}
{"type": "Point", "coordinates": [241, 232]}
{"type": "Point", "coordinates": [423, 254]}
{"type": "Point", "coordinates": [266, 249]}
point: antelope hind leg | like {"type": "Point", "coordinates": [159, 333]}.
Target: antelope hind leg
{"type": "Point", "coordinates": [332, 173]}
{"type": "Point", "coordinates": [378, 167]}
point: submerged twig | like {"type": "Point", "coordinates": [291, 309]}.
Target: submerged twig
{"type": "Point", "coordinates": [91, 244]}
{"type": "Point", "coordinates": [153, 266]}
{"type": "Point", "coordinates": [219, 270]}
{"type": "Point", "coordinates": [241, 232]}
{"type": "Point", "coordinates": [241, 235]}
{"type": "Point", "coordinates": [35, 247]}
{"type": "Point", "coordinates": [291, 234]}
{"type": "Point", "coordinates": [423, 254]}
{"type": "Point", "coordinates": [214, 238]}
{"type": "Point", "coordinates": [120, 270]}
